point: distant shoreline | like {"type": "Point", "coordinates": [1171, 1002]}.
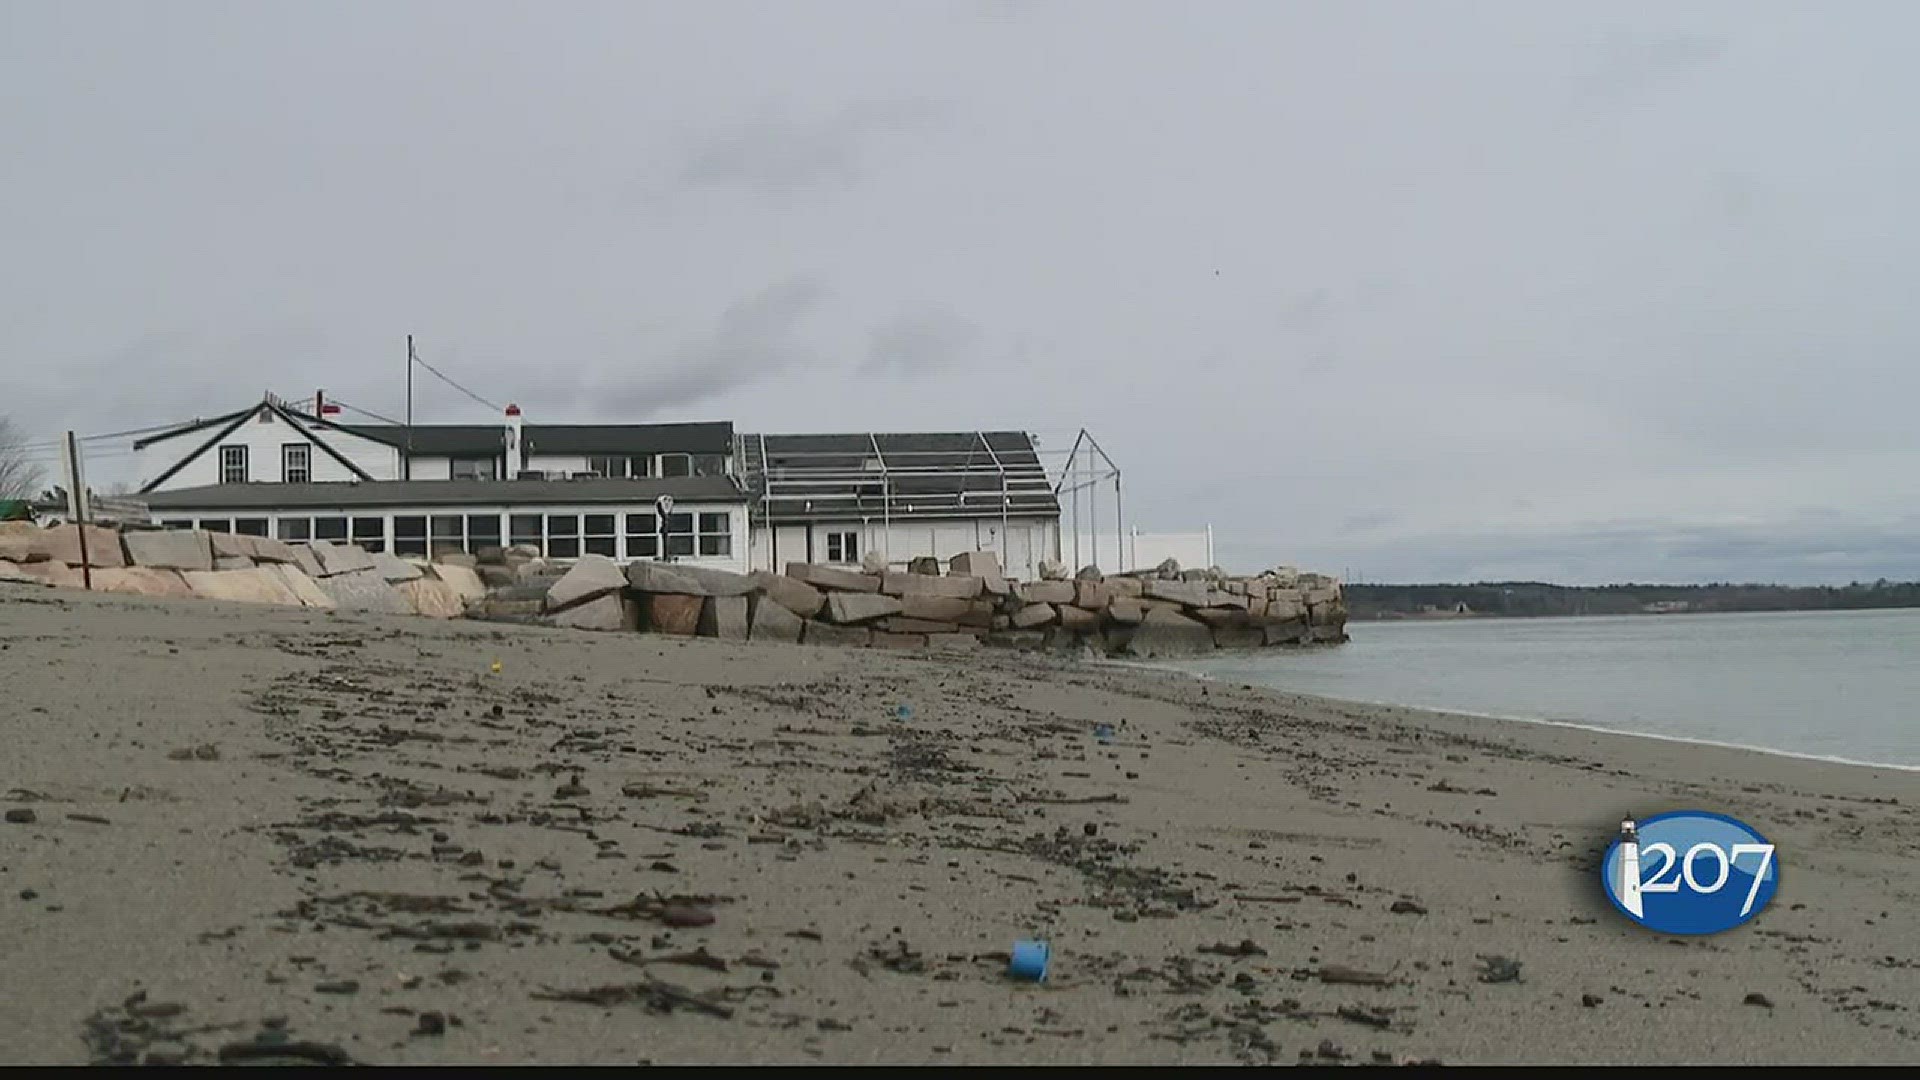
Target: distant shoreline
{"type": "Point", "coordinates": [1478, 616]}
{"type": "Point", "coordinates": [1535, 599]}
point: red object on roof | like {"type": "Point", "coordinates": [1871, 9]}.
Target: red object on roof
{"type": "Point", "coordinates": [513, 410]}
{"type": "Point", "coordinates": [329, 410]}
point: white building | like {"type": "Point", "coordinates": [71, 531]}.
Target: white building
{"type": "Point", "coordinates": [834, 498]}
{"type": "Point", "coordinates": [748, 502]}
{"type": "Point", "coordinates": [274, 470]}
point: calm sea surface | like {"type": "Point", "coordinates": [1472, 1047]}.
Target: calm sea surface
{"type": "Point", "coordinates": [1841, 685]}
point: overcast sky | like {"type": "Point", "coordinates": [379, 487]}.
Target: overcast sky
{"type": "Point", "coordinates": [1409, 290]}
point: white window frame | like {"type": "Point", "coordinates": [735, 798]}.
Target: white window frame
{"type": "Point", "coordinates": [411, 544]}
{"type": "Point", "coordinates": [574, 540]}
{"type": "Point", "coordinates": [607, 541]}
{"type": "Point", "coordinates": [539, 537]}
{"type": "Point", "coordinates": [227, 466]}
{"type": "Point", "coordinates": [673, 536]}
{"type": "Point", "coordinates": [490, 468]}
{"type": "Point", "coordinates": [848, 541]}
{"type": "Point", "coordinates": [641, 530]}
{"type": "Point", "coordinates": [701, 534]}
{"type": "Point", "coordinates": [296, 474]}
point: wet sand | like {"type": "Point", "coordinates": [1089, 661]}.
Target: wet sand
{"type": "Point", "coordinates": [259, 831]}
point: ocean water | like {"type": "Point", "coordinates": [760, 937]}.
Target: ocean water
{"type": "Point", "coordinates": [1837, 685]}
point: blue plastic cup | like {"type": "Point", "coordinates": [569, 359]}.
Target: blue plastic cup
{"type": "Point", "coordinates": [904, 712]}
{"type": "Point", "coordinates": [1103, 732]}
{"type": "Point", "coordinates": [1030, 961]}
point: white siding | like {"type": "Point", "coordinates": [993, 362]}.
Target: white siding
{"type": "Point", "coordinates": [263, 440]}
{"type": "Point", "coordinates": [789, 545]}
{"type": "Point", "coordinates": [1028, 540]}
{"type": "Point", "coordinates": [426, 467]}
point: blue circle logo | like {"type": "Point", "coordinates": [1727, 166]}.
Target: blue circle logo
{"type": "Point", "coordinates": [1689, 872]}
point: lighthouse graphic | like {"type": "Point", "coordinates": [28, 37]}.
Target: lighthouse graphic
{"type": "Point", "coordinates": [1628, 888]}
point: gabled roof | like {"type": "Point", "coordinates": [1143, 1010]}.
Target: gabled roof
{"type": "Point", "coordinates": [225, 426]}
{"type": "Point", "coordinates": [427, 493]}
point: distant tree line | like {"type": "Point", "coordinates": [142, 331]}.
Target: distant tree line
{"type": "Point", "coordinates": [1534, 598]}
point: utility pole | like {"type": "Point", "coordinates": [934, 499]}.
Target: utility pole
{"type": "Point", "coordinates": [77, 507]}
{"type": "Point", "coordinates": [406, 462]}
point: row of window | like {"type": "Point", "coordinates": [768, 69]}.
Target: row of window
{"type": "Point", "coordinates": [642, 466]}
{"type": "Point", "coordinates": [559, 536]}
{"type": "Point", "coordinates": [296, 465]}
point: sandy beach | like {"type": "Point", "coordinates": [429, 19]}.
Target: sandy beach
{"type": "Point", "coordinates": [247, 833]}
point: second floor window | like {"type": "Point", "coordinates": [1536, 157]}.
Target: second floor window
{"type": "Point", "coordinates": [233, 464]}
{"type": "Point", "coordinates": [474, 469]}
{"type": "Point", "coordinates": [676, 465]}
{"type": "Point", "coordinates": [296, 463]}
{"type": "Point", "coordinates": [608, 466]}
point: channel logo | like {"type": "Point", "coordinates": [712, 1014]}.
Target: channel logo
{"type": "Point", "coordinates": [1689, 872]}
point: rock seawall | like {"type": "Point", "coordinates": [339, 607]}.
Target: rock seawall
{"type": "Point", "coordinates": [192, 563]}
{"type": "Point", "coordinates": [1160, 613]}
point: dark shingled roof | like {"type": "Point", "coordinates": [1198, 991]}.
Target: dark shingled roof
{"type": "Point", "coordinates": [403, 493]}
{"type": "Point", "coordinates": [930, 474]}
{"type": "Point", "coordinates": [194, 425]}
{"type": "Point", "coordinates": [485, 440]}
{"type": "Point", "coordinates": [705, 438]}
{"type": "Point", "coordinates": [435, 439]}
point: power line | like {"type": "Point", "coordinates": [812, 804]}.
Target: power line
{"type": "Point", "coordinates": [124, 434]}
{"type": "Point", "coordinates": [59, 441]}
{"type": "Point", "coordinates": [365, 412]}
{"type": "Point", "coordinates": [415, 357]}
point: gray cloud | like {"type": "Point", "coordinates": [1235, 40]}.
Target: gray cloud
{"type": "Point", "coordinates": [1627, 65]}
{"type": "Point", "coordinates": [755, 340]}
{"type": "Point", "coordinates": [1310, 310]}
{"type": "Point", "coordinates": [1372, 521]}
{"type": "Point", "coordinates": [923, 343]}
{"type": "Point", "coordinates": [776, 153]}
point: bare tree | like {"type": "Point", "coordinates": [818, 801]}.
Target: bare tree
{"type": "Point", "coordinates": [20, 472]}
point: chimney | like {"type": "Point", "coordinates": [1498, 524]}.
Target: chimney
{"type": "Point", "coordinates": [514, 455]}
{"type": "Point", "coordinates": [320, 407]}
